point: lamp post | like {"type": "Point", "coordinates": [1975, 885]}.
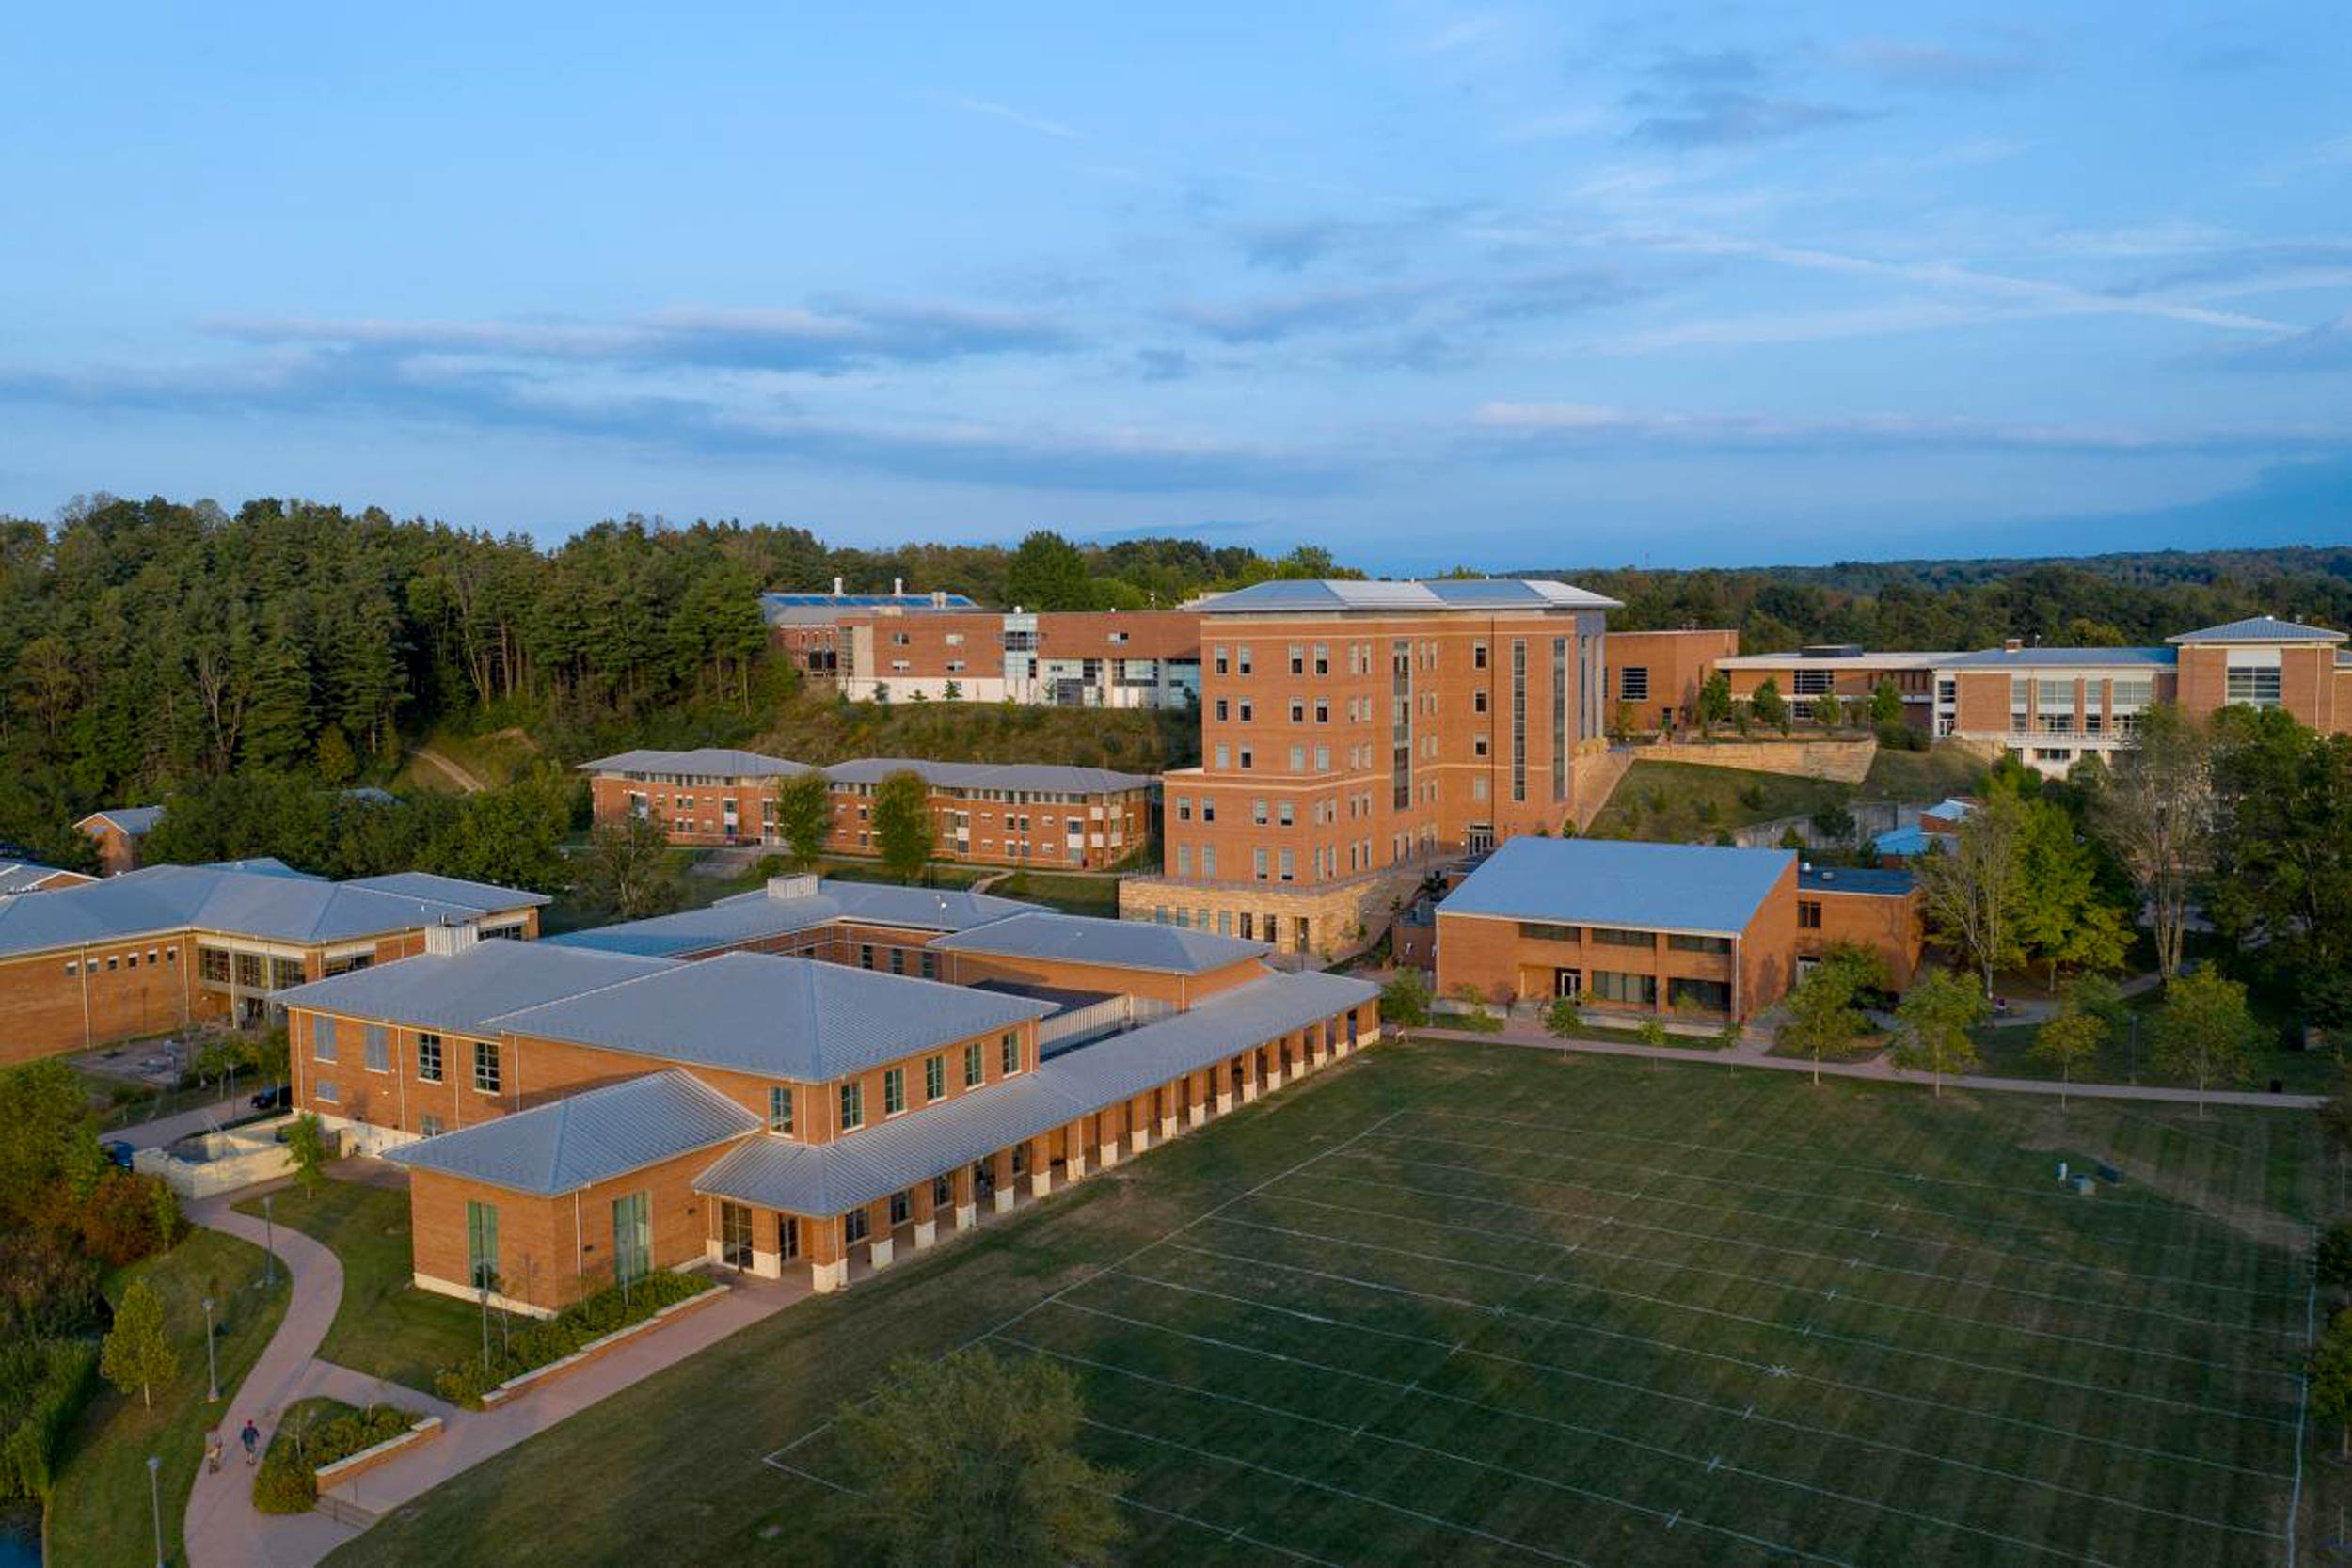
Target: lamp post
{"type": "Point", "coordinates": [212, 1369]}
{"type": "Point", "coordinates": [156, 1504]}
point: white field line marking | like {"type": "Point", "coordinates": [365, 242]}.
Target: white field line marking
{"type": "Point", "coordinates": [1711, 1406]}
{"type": "Point", "coordinates": [1122, 1260]}
{"type": "Point", "coordinates": [2038, 1228]}
{"type": "Point", "coordinates": [1790, 1288]}
{"type": "Point", "coordinates": [1358, 1433]}
{"type": "Point", "coordinates": [1860, 1340]}
{"type": "Point", "coordinates": [1940, 1404]}
{"type": "Point", "coordinates": [1340, 1492]}
{"type": "Point", "coordinates": [2303, 1404]}
{"type": "Point", "coordinates": [1895, 1172]}
{"type": "Point", "coordinates": [1712, 1238]}
{"type": "Point", "coordinates": [2115, 1273]}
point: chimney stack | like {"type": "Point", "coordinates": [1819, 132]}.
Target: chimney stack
{"type": "Point", "coordinates": [897, 588]}
{"type": "Point", "coordinates": [2012, 644]}
{"type": "Point", "coordinates": [836, 588]}
{"type": "Point", "coordinates": [447, 938]}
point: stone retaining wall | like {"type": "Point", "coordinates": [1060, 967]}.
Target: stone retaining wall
{"type": "Point", "coordinates": [351, 1466]}
{"type": "Point", "coordinates": [523, 1383]}
{"type": "Point", "coordinates": [1845, 761]}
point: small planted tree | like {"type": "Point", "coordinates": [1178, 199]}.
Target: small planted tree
{"type": "Point", "coordinates": [902, 824]}
{"type": "Point", "coordinates": [1820, 1015]}
{"type": "Point", "coordinates": [138, 1352]}
{"type": "Point", "coordinates": [2068, 1040]}
{"type": "Point", "coordinates": [804, 817]}
{"type": "Point", "coordinates": [306, 1141]}
{"type": "Point", "coordinates": [2203, 1032]}
{"type": "Point", "coordinates": [1715, 701]}
{"type": "Point", "coordinates": [971, 1461]}
{"type": "Point", "coordinates": [1563, 1019]}
{"type": "Point", "coordinates": [1932, 1023]}
{"type": "Point", "coordinates": [1405, 1000]}
{"type": "Point", "coordinates": [1828, 712]}
{"type": "Point", "coordinates": [1886, 705]}
{"type": "Point", "coordinates": [1768, 706]}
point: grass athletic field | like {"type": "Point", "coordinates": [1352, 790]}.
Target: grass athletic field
{"type": "Point", "coordinates": [1489, 1306]}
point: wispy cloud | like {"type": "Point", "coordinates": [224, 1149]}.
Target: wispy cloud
{"type": "Point", "coordinates": [2325, 347]}
{"type": "Point", "coordinates": [1938, 67]}
{"type": "Point", "coordinates": [990, 109]}
{"type": "Point", "coordinates": [1548, 425]}
{"type": "Point", "coordinates": [1272, 318]}
{"type": "Point", "coordinates": [1724, 118]}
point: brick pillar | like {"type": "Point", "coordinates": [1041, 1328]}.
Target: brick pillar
{"type": "Point", "coordinates": [1073, 1159]}
{"type": "Point", "coordinates": [1336, 1028]}
{"type": "Point", "coordinates": [1109, 1123]}
{"type": "Point", "coordinates": [1198, 1085]}
{"type": "Point", "coordinates": [1272, 1052]}
{"type": "Point", "coordinates": [1222, 1074]}
{"type": "Point", "coordinates": [1041, 1166]}
{"type": "Point", "coordinates": [922, 1207]}
{"type": "Point", "coordinates": [1164, 1100]}
{"type": "Point", "coordinates": [1001, 1168]}
{"type": "Point", "coordinates": [1251, 1063]}
{"type": "Point", "coordinates": [1139, 1119]}
{"type": "Point", "coordinates": [880, 1250]}
{"type": "Point", "coordinates": [827, 1270]}
{"type": "Point", "coordinates": [967, 1212]}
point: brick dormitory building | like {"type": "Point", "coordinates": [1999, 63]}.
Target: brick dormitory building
{"type": "Point", "coordinates": [805, 1081]}
{"type": "Point", "coordinates": [157, 949]}
{"type": "Point", "coordinates": [989, 813]}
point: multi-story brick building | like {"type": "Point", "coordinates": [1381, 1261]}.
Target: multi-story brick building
{"type": "Point", "coordinates": [808, 627]}
{"type": "Point", "coordinates": [117, 831]}
{"type": "Point", "coordinates": [18, 877]}
{"type": "Point", "coordinates": [573, 1111]}
{"type": "Point", "coordinates": [1653, 678]}
{"type": "Point", "coordinates": [160, 948]}
{"type": "Point", "coordinates": [1354, 732]}
{"type": "Point", "coordinates": [1115, 658]}
{"type": "Point", "coordinates": [989, 813]}
{"type": "Point", "coordinates": [1849, 673]}
{"type": "Point", "coordinates": [1690, 930]}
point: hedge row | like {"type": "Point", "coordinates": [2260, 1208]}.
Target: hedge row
{"type": "Point", "coordinates": [43, 1385]}
{"type": "Point", "coordinates": [287, 1480]}
{"type": "Point", "coordinates": [549, 1340]}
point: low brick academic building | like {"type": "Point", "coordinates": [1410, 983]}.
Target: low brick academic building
{"type": "Point", "coordinates": [157, 949]}
{"type": "Point", "coordinates": [591, 1107]}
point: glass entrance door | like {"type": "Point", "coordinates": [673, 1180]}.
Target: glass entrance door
{"type": "Point", "coordinates": [1567, 982]}
{"type": "Point", "coordinates": [787, 1237]}
{"type": "Point", "coordinates": [735, 1234]}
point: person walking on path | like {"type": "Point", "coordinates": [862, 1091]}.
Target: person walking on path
{"type": "Point", "coordinates": [251, 1439]}
{"type": "Point", "coordinates": [212, 1450]}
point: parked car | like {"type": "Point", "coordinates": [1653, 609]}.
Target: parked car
{"type": "Point", "coordinates": [119, 1152]}
{"type": "Point", "coordinates": [274, 1100]}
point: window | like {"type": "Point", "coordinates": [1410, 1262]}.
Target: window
{"type": "Point", "coordinates": [853, 1226]}
{"type": "Point", "coordinates": [934, 1077]}
{"type": "Point", "coordinates": [852, 1106]}
{"type": "Point", "coordinates": [894, 1091]}
{"type": "Point", "coordinates": [632, 1235]}
{"type": "Point", "coordinates": [1639, 991]}
{"type": "Point", "coordinates": [1478, 700]}
{"type": "Point", "coordinates": [1633, 684]}
{"type": "Point", "coordinates": [486, 1066]}
{"type": "Point", "coordinates": [865, 955]}
{"type": "Point", "coordinates": [1323, 658]}
{"type": "Point", "coordinates": [1682, 942]}
{"type": "Point", "coordinates": [1009, 1051]}
{"type": "Point", "coordinates": [2255, 683]}
{"type": "Point", "coordinates": [1218, 662]}
{"type": "Point", "coordinates": [1539, 930]}
{"type": "Point", "coordinates": [1478, 656]}
{"type": "Point", "coordinates": [780, 1110]}
{"type": "Point", "coordinates": [1608, 936]}
{"type": "Point", "coordinates": [376, 1045]}
{"type": "Point", "coordinates": [1286, 812]}
{"type": "Point", "coordinates": [1713, 997]}
{"type": "Point", "coordinates": [1241, 662]}
{"type": "Point", "coordinates": [1258, 811]}
{"type": "Point", "coordinates": [324, 1090]}
{"type": "Point", "coordinates": [481, 1244]}
{"type": "Point", "coordinates": [429, 1058]}
{"type": "Point", "coordinates": [1801, 683]}
{"type": "Point", "coordinates": [943, 1190]}
{"type": "Point", "coordinates": [899, 1209]}
{"type": "Point", "coordinates": [322, 1040]}
{"type": "Point", "coordinates": [431, 1126]}
{"type": "Point", "coordinates": [1808, 914]}
{"type": "Point", "coordinates": [212, 966]}
{"type": "Point", "coordinates": [972, 1068]}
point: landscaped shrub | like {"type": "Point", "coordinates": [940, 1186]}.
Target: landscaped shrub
{"type": "Point", "coordinates": [287, 1480]}
{"type": "Point", "coordinates": [43, 1385]}
{"type": "Point", "coordinates": [553, 1338]}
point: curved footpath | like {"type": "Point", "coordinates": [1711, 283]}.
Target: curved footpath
{"type": "Point", "coordinates": [1755, 1046]}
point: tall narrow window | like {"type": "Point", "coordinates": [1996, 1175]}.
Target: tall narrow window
{"type": "Point", "coordinates": [974, 1071]}
{"type": "Point", "coordinates": [486, 1066]}
{"type": "Point", "coordinates": [1559, 718]}
{"type": "Point", "coordinates": [481, 1244]}
{"type": "Point", "coordinates": [894, 1091]}
{"type": "Point", "coordinates": [377, 1045]}
{"type": "Point", "coordinates": [1519, 718]}
{"type": "Point", "coordinates": [323, 1038]}
{"type": "Point", "coordinates": [780, 1110]}
{"type": "Point", "coordinates": [934, 1077]}
{"type": "Point", "coordinates": [1401, 724]}
{"type": "Point", "coordinates": [428, 1058]}
{"type": "Point", "coordinates": [632, 1235]}
{"type": "Point", "coordinates": [1010, 1047]}
{"type": "Point", "coordinates": [852, 1106]}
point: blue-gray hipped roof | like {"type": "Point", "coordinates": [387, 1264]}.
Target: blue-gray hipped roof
{"type": "Point", "coordinates": [1702, 889]}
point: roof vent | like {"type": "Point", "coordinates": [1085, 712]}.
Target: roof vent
{"type": "Point", "coordinates": [897, 588]}
{"type": "Point", "coordinates": [449, 936]}
{"type": "Point", "coordinates": [801, 886]}
{"type": "Point", "coordinates": [2012, 644]}
{"type": "Point", "coordinates": [836, 588]}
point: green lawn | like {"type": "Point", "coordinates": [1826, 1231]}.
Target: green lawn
{"type": "Point", "coordinates": [1476, 1304]}
{"type": "Point", "coordinates": [2008, 1053]}
{"type": "Point", "coordinates": [100, 1515]}
{"type": "Point", "coordinates": [1922, 777]}
{"type": "Point", "coordinates": [1688, 801]}
{"type": "Point", "coordinates": [385, 1326]}
{"type": "Point", "coordinates": [1094, 895]}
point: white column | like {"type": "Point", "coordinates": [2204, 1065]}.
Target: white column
{"type": "Point", "coordinates": [1041, 1182]}
{"type": "Point", "coordinates": [879, 1253]}
{"type": "Point", "coordinates": [1139, 1139]}
{"type": "Point", "coordinates": [926, 1232]}
{"type": "Point", "coordinates": [1224, 1100]}
{"type": "Point", "coordinates": [1004, 1200]}
{"type": "Point", "coordinates": [768, 1265]}
{"type": "Point", "coordinates": [1167, 1127]}
{"type": "Point", "coordinates": [967, 1215]}
{"type": "Point", "coordinates": [826, 1277]}
{"type": "Point", "coordinates": [1074, 1167]}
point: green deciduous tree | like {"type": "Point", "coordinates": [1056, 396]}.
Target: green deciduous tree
{"type": "Point", "coordinates": [2205, 1032]}
{"type": "Point", "coordinates": [1973, 890]}
{"type": "Point", "coordinates": [1405, 1000]}
{"type": "Point", "coordinates": [1886, 705]}
{"type": "Point", "coordinates": [804, 817]}
{"type": "Point", "coordinates": [2331, 1380]}
{"type": "Point", "coordinates": [2068, 1040]}
{"type": "Point", "coordinates": [306, 1141]}
{"type": "Point", "coordinates": [969, 1462]}
{"type": "Point", "coordinates": [1563, 1019]}
{"type": "Point", "coordinates": [904, 833]}
{"type": "Point", "coordinates": [1714, 705]}
{"type": "Point", "coordinates": [1047, 571]}
{"type": "Point", "coordinates": [2063, 920]}
{"type": "Point", "coordinates": [1932, 1026]}
{"type": "Point", "coordinates": [627, 867]}
{"type": "Point", "coordinates": [45, 1135]}
{"type": "Point", "coordinates": [1824, 1011]}
{"type": "Point", "coordinates": [2155, 811]}
{"type": "Point", "coordinates": [138, 1353]}
{"type": "Point", "coordinates": [1768, 706]}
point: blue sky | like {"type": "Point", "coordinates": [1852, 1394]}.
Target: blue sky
{"type": "Point", "coordinates": [1423, 283]}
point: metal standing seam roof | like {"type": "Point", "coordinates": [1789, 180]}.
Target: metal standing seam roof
{"type": "Point", "coordinates": [584, 1138]}
{"type": "Point", "coordinates": [2259, 628]}
{"type": "Point", "coordinates": [830, 1178]}
{"type": "Point", "coordinates": [706, 762]}
{"type": "Point", "coordinates": [1330, 594]}
{"type": "Point", "coordinates": [1703, 889]}
{"type": "Point", "coordinates": [135, 821]}
{"type": "Point", "coordinates": [752, 916]}
{"type": "Point", "coordinates": [272, 905]}
{"type": "Point", "coordinates": [1867, 659]}
{"type": "Point", "coordinates": [990, 775]}
{"type": "Point", "coordinates": [1115, 943]}
{"type": "Point", "coordinates": [26, 876]}
{"type": "Point", "coordinates": [462, 993]}
{"type": "Point", "coordinates": [1876, 882]}
{"type": "Point", "coordinates": [2061, 659]}
{"type": "Point", "coordinates": [775, 1016]}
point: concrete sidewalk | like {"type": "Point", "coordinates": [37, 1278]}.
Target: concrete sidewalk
{"type": "Point", "coordinates": [1754, 1045]}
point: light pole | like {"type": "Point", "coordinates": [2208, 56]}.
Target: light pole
{"type": "Point", "coordinates": [212, 1369]}
{"type": "Point", "coordinates": [156, 1504]}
